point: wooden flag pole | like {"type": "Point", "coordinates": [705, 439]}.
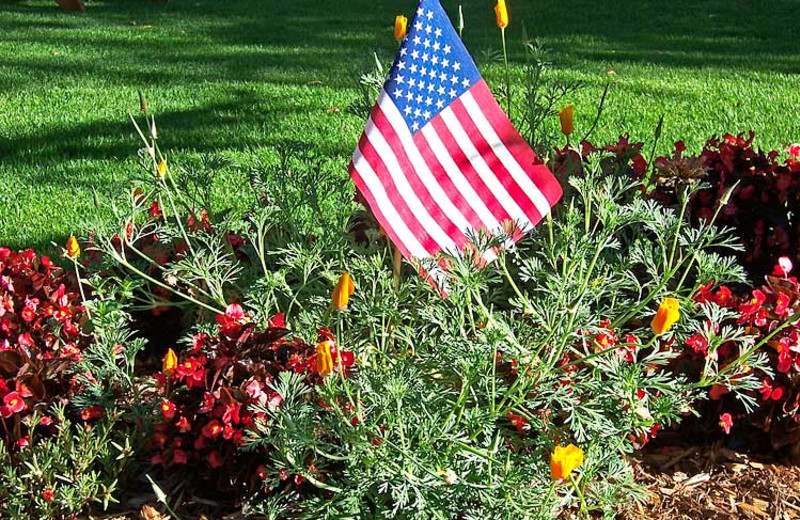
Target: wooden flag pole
{"type": "Point", "coordinates": [398, 264]}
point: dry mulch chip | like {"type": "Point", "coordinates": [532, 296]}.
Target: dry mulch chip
{"type": "Point", "coordinates": [713, 482]}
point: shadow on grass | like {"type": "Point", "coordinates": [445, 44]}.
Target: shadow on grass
{"type": "Point", "coordinates": [138, 44]}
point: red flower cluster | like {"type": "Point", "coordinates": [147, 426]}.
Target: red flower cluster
{"type": "Point", "coordinates": [40, 335]}
{"type": "Point", "coordinates": [210, 399]}
{"type": "Point", "coordinates": [622, 157]}
{"type": "Point", "coordinates": [764, 206]}
{"type": "Point", "coordinates": [761, 312]}
{"type": "Point", "coordinates": [605, 338]}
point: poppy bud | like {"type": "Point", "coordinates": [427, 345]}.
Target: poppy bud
{"type": "Point", "coordinates": [142, 103]}
{"type": "Point", "coordinates": [161, 169]}
{"type": "Point", "coordinates": [73, 247]}
{"type": "Point", "coordinates": [565, 116]}
{"type": "Point", "coordinates": [668, 313]}
{"type": "Point", "coordinates": [170, 362]}
{"type": "Point", "coordinates": [565, 460]}
{"type": "Point", "coordinates": [502, 14]}
{"type": "Point", "coordinates": [342, 292]}
{"type": "Point", "coordinates": [324, 358]}
{"type": "Point", "coordinates": [400, 27]}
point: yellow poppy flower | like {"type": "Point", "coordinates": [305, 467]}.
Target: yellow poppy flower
{"type": "Point", "coordinates": [342, 292]}
{"type": "Point", "coordinates": [170, 362]}
{"type": "Point", "coordinates": [324, 358]}
{"type": "Point", "coordinates": [502, 14]}
{"type": "Point", "coordinates": [161, 170]}
{"type": "Point", "coordinates": [565, 460]}
{"type": "Point", "coordinates": [400, 27]}
{"type": "Point", "coordinates": [565, 116]}
{"type": "Point", "coordinates": [73, 247]}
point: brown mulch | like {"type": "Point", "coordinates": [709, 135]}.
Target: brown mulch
{"type": "Point", "coordinates": [682, 483]}
{"type": "Point", "coordinates": [715, 482]}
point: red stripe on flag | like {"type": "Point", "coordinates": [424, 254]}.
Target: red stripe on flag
{"type": "Point", "coordinates": [503, 175]}
{"type": "Point", "coordinates": [516, 145]}
{"type": "Point", "coordinates": [469, 172]}
{"type": "Point", "coordinates": [377, 164]}
{"type": "Point", "coordinates": [425, 197]}
{"type": "Point", "coordinates": [445, 182]}
{"type": "Point", "coordinates": [385, 223]}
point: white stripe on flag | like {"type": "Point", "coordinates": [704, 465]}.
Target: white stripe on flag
{"type": "Point", "coordinates": [420, 166]}
{"type": "Point", "coordinates": [393, 219]}
{"type": "Point", "coordinates": [483, 170]}
{"type": "Point", "coordinates": [459, 181]}
{"type": "Point", "coordinates": [520, 176]}
{"type": "Point", "coordinates": [405, 190]}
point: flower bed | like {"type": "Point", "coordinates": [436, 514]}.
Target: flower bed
{"type": "Point", "coordinates": [281, 360]}
{"type": "Point", "coordinates": [311, 376]}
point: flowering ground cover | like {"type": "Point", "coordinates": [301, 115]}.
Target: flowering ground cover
{"type": "Point", "coordinates": [272, 356]}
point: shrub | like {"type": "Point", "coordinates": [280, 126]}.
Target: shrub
{"type": "Point", "coordinates": [766, 313]}
{"type": "Point", "coordinates": [732, 184]}
{"type": "Point", "coordinates": [212, 397]}
{"type": "Point", "coordinates": [457, 403]}
{"type": "Point", "coordinates": [64, 467]}
{"type": "Point", "coordinates": [41, 337]}
{"type": "Point", "coordinates": [763, 203]}
{"type": "Point", "coordinates": [65, 381]}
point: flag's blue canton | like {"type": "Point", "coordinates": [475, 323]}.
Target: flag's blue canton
{"type": "Point", "coordinates": [432, 69]}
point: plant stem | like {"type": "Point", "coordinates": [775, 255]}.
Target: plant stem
{"type": "Point", "coordinates": [578, 492]}
{"type": "Point", "coordinates": [150, 279]}
{"type": "Point", "coordinates": [508, 73]}
{"type": "Point", "coordinates": [80, 288]}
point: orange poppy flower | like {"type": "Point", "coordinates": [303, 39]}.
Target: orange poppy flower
{"type": "Point", "coordinates": [668, 313]}
{"type": "Point", "coordinates": [565, 460]}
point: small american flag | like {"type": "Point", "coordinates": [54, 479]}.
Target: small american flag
{"type": "Point", "coordinates": [439, 159]}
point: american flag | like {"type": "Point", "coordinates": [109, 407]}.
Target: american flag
{"type": "Point", "coordinates": [439, 158]}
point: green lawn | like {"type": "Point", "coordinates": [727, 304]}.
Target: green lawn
{"type": "Point", "coordinates": [233, 78]}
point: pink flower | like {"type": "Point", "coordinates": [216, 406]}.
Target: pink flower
{"type": "Point", "coordinates": [12, 403]}
{"type": "Point", "coordinates": [794, 150]}
{"type": "Point", "coordinates": [92, 412]}
{"type": "Point", "coordinates": [212, 430]}
{"type": "Point", "coordinates": [699, 344]}
{"type": "Point", "coordinates": [168, 409]}
{"type": "Point", "coordinates": [183, 425]}
{"type": "Point", "coordinates": [783, 267]}
{"type": "Point", "coordinates": [726, 422]}
{"type": "Point", "coordinates": [233, 319]}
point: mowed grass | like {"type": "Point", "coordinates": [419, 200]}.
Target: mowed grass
{"type": "Point", "coordinates": [232, 79]}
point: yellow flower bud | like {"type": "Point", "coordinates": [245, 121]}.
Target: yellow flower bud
{"type": "Point", "coordinates": [324, 358]}
{"type": "Point", "coordinates": [342, 292]}
{"type": "Point", "coordinates": [73, 247]}
{"type": "Point", "coordinates": [565, 115]}
{"type": "Point", "coordinates": [400, 27]}
{"type": "Point", "coordinates": [502, 14]}
{"type": "Point", "coordinates": [565, 460]}
{"type": "Point", "coordinates": [161, 170]}
{"type": "Point", "coordinates": [170, 362]}
{"type": "Point", "coordinates": [668, 313]}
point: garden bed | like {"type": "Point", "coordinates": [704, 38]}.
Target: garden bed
{"type": "Point", "coordinates": [279, 361]}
